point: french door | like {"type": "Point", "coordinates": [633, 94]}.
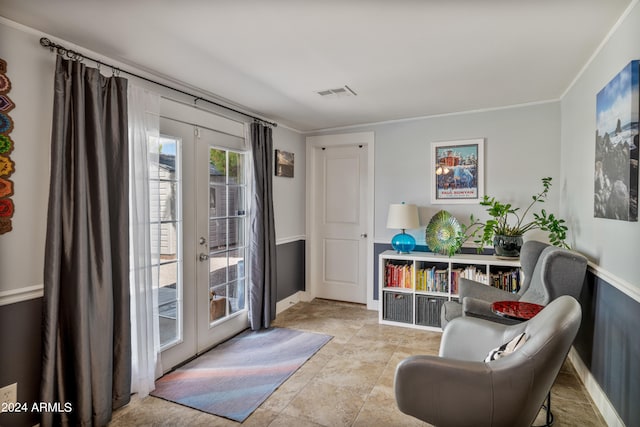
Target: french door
{"type": "Point", "coordinates": [201, 198]}
{"type": "Point", "coordinates": [222, 236]}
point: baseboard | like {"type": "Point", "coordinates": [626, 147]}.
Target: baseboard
{"type": "Point", "coordinates": [22, 294]}
{"type": "Point", "coordinates": [289, 301]}
{"type": "Point", "coordinates": [598, 396]}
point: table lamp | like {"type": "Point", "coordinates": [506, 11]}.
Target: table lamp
{"type": "Point", "coordinates": [404, 217]}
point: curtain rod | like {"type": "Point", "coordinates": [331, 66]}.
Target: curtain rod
{"type": "Point", "coordinates": [76, 56]}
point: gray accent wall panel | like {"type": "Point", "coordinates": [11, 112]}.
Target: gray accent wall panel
{"type": "Point", "coordinates": [608, 342]}
{"type": "Point", "coordinates": [290, 274]}
{"type": "Point", "coordinates": [21, 356]}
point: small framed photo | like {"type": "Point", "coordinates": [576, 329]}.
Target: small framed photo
{"type": "Point", "coordinates": [457, 171]}
{"type": "Point", "coordinates": [284, 164]}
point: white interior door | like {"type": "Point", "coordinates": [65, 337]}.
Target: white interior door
{"type": "Point", "coordinates": [203, 302]}
{"type": "Point", "coordinates": [341, 243]}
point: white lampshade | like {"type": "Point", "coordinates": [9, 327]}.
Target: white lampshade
{"type": "Point", "coordinates": [402, 216]}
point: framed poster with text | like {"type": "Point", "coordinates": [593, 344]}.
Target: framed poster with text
{"type": "Point", "coordinates": [457, 171]}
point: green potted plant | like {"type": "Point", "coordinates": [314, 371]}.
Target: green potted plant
{"type": "Point", "coordinates": [506, 226]}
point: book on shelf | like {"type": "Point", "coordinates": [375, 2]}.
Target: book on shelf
{"type": "Point", "coordinates": [398, 276]}
{"type": "Point", "coordinates": [432, 280]}
{"type": "Point", "coordinates": [507, 280]}
{"type": "Point", "coordinates": [469, 272]}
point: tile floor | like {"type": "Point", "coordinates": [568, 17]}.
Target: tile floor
{"type": "Point", "coordinates": [349, 382]}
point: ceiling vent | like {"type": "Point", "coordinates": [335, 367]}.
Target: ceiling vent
{"type": "Point", "coordinates": [339, 92]}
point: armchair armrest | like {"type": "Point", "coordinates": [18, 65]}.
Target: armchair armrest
{"type": "Point", "coordinates": [425, 387]}
{"type": "Point", "coordinates": [471, 288]}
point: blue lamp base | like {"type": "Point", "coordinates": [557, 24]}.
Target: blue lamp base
{"type": "Point", "coordinates": [403, 242]}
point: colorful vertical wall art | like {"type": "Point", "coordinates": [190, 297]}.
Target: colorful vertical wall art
{"type": "Point", "coordinates": [616, 160]}
{"type": "Point", "coordinates": [6, 147]}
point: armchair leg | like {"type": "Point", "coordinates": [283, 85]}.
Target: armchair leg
{"type": "Point", "coordinates": [547, 406]}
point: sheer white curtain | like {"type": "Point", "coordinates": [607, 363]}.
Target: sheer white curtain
{"type": "Point", "coordinates": [144, 111]}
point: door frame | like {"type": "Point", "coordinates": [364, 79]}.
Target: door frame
{"type": "Point", "coordinates": [313, 269]}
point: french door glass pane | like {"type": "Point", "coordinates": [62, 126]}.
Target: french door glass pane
{"type": "Point", "coordinates": [237, 201]}
{"type": "Point", "coordinates": [236, 264]}
{"type": "Point", "coordinates": [237, 168]}
{"type": "Point", "coordinates": [227, 232]}
{"type": "Point", "coordinates": [236, 296]}
{"type": "Point", "coordinates": [217, 200]}
{"type": "Point", "coordinates": [217, 269]}
{"type": "Point", "coordinates": [217, 235]}
{"type": "Point", "coordinates": [236, 233]}
{"type": "Point", "coordinates": [168, 201]}
{"type": "Point", "coordinates": [166, 234]}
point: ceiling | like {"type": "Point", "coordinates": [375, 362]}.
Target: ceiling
{"type": "Point", "coordinates": [403, 58]}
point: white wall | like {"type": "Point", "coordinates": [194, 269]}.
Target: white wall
{"type": "Point", "coordinates": [289, 193]}
{"type": "Point", "coordinates": [522, 145]}
{"type": "Point", "coordinates": [30, 69]}
{"type": "Point", "coordinates": [613, 245]}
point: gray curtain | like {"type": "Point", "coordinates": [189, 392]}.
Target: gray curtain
{"type": "Point", "coordinates": [86, 329]}
{"type": "Point", "coordinates": [262, 286]}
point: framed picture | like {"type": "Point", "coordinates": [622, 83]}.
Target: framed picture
{"type": "Point", "coordinates": [284, 164]}
{"type": "Point", "coordinates": [457, 171]}
{"type": "Point", "coordinates": [616, 161]}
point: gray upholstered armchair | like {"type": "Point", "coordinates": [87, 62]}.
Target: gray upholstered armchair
{"type": "Point", "coordinates": [549, 272]}
{"type": "Point", "coordinates": [459, 389]}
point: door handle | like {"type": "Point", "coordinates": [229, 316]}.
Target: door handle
{"type": "Point", "coordinates": [203, 257]}
{"type": "Point", "coordinates": [363, 235]}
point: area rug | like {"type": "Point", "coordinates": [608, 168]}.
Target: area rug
{"type": "Point", "coordinates": [234, 378]}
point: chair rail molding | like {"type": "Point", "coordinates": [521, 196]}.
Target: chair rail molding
{"type": "Point", "coordinates": [290, 239]}
{"type": "Point", "coordinates": [615, 281]}
{"type": "Point", "coordinates": [21, 294]}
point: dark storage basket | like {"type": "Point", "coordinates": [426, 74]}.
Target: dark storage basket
{"type": "Point", "coordinates": [398, 307]}
{"type": "Point", "coordinates": [428, 310]}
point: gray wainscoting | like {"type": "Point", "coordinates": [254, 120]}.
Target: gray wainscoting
{"type": "Point", "coordinates": [21, 357]}
{"type": "Point", "coordinates": [608, 343]}
{"type": "Point", "coordinates": [290, 268]}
